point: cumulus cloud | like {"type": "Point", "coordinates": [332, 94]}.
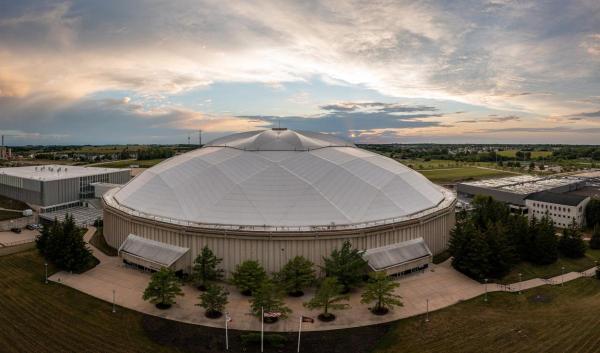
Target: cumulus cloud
{"type": "Point", "coordinates": [498, 54]}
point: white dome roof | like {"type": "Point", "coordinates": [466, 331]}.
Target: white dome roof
{"type": "Point", "coordinates": [279, 178]}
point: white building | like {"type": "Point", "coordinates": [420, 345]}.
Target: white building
{"type": "Point", "coordinates": [276, 194]}
{"type": "Point", "coordinates": [561, 208]}
{"type": "Point", "coordinates": [54, 186]}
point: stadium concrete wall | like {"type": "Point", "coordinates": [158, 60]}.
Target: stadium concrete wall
{"type": "Point", "coordinates": [274, 249]}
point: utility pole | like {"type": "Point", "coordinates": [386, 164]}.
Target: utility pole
{"type": "Point", "coordinates": [199, 137]}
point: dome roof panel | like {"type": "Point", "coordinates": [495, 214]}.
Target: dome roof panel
{"type": "Point", "coordinates": [279, 178]}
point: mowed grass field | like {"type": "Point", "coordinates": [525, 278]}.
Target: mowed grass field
{"type": "Point", "coordinates": [461, 174]}
{"type": "Point", "coordinates": [38, 317]}
{"type": "Point", "coordinates": [529, 271]}
{"type": "Point", "coordinates": [534, 154]}
{"type": "Point", "coordinates": [126, 163]}
{"type": "Point", "coordinates": [544, 319]}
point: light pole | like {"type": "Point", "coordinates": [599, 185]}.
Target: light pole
{"type": "Point", "coordinates": [485, 299]}
{"type": "Point", "coordinates": [562, 276]}
{"type": "Point", "coordinates": [114, 308]}
{"type": "Point", "coordinates": [520, 276]}
{"type": "Point", "coordinates": [427, 312]}
{"type": "Point", "coordinates": [46, 269]}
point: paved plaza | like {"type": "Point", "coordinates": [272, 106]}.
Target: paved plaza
{"type": "Point", "coordinates": [440, 284]}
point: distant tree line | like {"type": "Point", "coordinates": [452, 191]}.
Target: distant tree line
{"type": "Point", "coordinates": [155, 153]}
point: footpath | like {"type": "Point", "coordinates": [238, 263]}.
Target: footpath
{"type": "Point", "coordinates": [438, 287]}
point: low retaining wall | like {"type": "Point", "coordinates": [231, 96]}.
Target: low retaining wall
{"type": "Point", "coordinates": [7, 250]}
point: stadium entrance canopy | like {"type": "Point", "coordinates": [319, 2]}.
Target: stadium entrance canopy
{"type": "Point", "coordinates": [153, 254]}
{"type": "Point", "coordinates": [400, 257]}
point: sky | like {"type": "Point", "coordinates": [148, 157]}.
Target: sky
{"type": "Point", "coordinates": [485, 71]}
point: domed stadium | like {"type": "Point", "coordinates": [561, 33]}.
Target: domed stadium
{"type": "Point", "coordinates": [272, 195]}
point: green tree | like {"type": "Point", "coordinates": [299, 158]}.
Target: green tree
{"type": "Point", "coordinates": [268, 297]}
{"type": "Point", "coordinates": [248, 276]}
{"type": "Point", "coordinates": [595, 240]}
{"type": "Point", "coordinates": [545, 242]}
{"type": "Point", "coordinates": [347, 265]}
{"type": "Point", "coordinates": [380, 290]}
{"type": "Point", "coordinates": [213, 300]}
{"type": "Point", "coordinates": [63, 245]}
{"type": "Point", "coordinates": [518, 236]}
{"type": "Point", "coordinates": [328, 296]}
{"type": "Point", "coordinates": [487, 211]}
{"type": "Point", "coordinates": [43, 239]}
{"type": "Point", "coordinates": [205, 268]}
{"type": "Point", "coordinates": [571, 243]}
{"type": "Point", "coordinates": [163, 288]}
{"type": "Point", "coordinates": [470, 252]}
{"type": "Point", "coordinates": [592, 212]}
{"type": "Point", "coordinates": [501, 254]}
{"type": "Point", "coordinates": [297, 274]}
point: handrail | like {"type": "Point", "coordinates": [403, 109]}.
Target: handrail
{"type": "Point", "coordinates": [447, 201]}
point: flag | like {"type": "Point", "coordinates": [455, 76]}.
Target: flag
{"type": "Point", "coordinates": [273, 314]}
{"type": "Point", "coordinates": [308, 319]}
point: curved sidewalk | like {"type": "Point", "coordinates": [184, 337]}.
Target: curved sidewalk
{"type": "Point", "coordinates": [441, 285]}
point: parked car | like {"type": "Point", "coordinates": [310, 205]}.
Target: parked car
{"type": "Point", "coordinates": [32, 226]}
{"type": "Point", "coordinates": [16, 230]}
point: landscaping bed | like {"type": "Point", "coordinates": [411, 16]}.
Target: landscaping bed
{"type": "Point", "coordinates": [99, 242]}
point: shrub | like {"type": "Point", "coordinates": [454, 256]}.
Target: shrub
{"type": "Point", "coordinates": [328, 297]}
{"type": "Point", "coordinates": [380, 290]}
{"type": "Point", "coordinates": [296, 275]}
{"type": "Point", "coordinates": [163, 288]}
{"type": "Point", "coordinates": [274, 340]}
{"type": "Point", "coordinates": [205, 268]}
{"type": "Point", "coordinates": [347, 265]}
{"type": "Point", "coordinates": [268, 298]}
{"type": "Point", "coordinates": [213, 300]}
{"type": "Point", "coordinates": [248, 276]}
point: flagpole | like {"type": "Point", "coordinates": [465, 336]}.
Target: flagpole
{"type": "Point", "coordinates": [299, 331]}
{"type": "Point", "coordinates": [262, 327]}
{"type": "Point", "coordinates": [226, 333]}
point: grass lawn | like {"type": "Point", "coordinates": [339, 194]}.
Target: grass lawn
{"type": "Point", "coordinates": [543, 319]}
{"type": "Point", "coordinates": [461, 174]}
{"type": "Point", "coordinates": [35, 317]}
{"type": "Point", "coordinates": [5, 215]}
{"type": "Point", "coordinates": [9, 203]}
{"type": "Point", "coordinates": [530, 271]}
{"type": "Point", "coordinates": [38, 317]}
{"type": "Point", "coordinates": [421, 164]}
{"type": "Point", "coordinates": [534, 154]}
{"type": "Point", "coordinates": [126, 163]}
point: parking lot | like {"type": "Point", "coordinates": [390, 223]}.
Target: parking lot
{"type": "Point", "coordinates": [9, 238]}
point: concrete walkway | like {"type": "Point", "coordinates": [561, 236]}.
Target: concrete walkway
{"type": "Point", "coordinates": [441, 285]}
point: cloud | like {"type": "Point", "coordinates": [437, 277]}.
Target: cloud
{"type": "Point", "coordinates": [509, 57]}
{"type": "Point", "coordinates": [401, 49]}
{"type": "Point", "coordinates": [100, 121]}
{"type": "Point", "coordinates": [376, 106]}
{"type": "Point", "coordinates": [595, 114]}
{"type": "Point", "coordinates": [348, 117]}
{"type": "Point", "coordinates": [493, 119]}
